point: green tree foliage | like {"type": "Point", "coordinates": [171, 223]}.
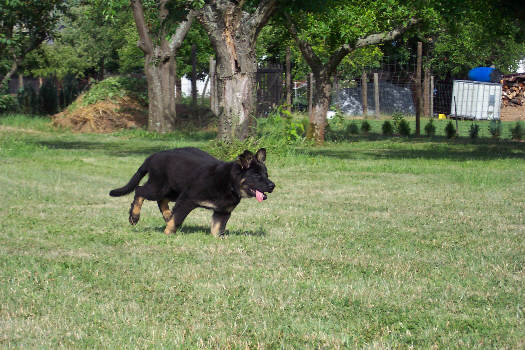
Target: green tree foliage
{"type": "Point", "coordinates": [328, 32]}
{"type": "Point", "coordinates": [488, 33]}
{"type": "Point", "coordinates": [460, 35]}
{"type": "Point", "coordinates": [23, 27]}
{"type": "Point", "coordinates": [88, 42]}
{"type": "Point", "coordinates": [196, 35]}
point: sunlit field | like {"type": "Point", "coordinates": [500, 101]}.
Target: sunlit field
{"type": "Point", "coordinates": [374, 243]}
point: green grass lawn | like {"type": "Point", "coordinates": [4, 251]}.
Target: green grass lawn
{"type": "Point", "coordinates": [385, 243]}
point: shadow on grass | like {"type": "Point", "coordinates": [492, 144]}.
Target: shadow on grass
{"type": "Point", "coordinates": [192, 229]}
{"type": "Point", "coordinates": [110, 148]}
{"type": "Point", "coordinates": [459, 149]}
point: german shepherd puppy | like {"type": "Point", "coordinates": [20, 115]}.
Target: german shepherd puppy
{"type": "Point", "coordinates": [192, 178]}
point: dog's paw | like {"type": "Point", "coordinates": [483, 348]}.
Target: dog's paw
{"type": "Point", "coordinates": [133, 219]}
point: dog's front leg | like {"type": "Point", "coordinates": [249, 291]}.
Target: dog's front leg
{"type": "Point", "coordinates": [181, 209]}
{"type": "Point", "coordinates": [218, 223]}
{"type": "Point", "coordinates": [164, 209]}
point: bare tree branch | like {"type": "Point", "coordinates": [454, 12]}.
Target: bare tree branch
{"type": "Point", "coordinates": [308, 53]}
{"type": "Point", "coordinates": [262, 14]}
{"type": "Point", "coordinates": [183, 28]}
{"type": "Point", "coordinates": [145, 43]}
{"type": "Point", "coordinates": [374, 39]}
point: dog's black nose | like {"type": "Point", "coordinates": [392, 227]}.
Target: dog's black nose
{"type": "Point", "coordinates": [271, 186]}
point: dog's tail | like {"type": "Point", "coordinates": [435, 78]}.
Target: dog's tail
{"type": "Point", "coordinates": [130, 186]}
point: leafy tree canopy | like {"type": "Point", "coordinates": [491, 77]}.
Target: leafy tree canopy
{"type": "Point", "coordinates": [87, 42]}
{"type": "Point", "coordinates": [24, 25]}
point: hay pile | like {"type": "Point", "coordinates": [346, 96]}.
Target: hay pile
{"type": "Point", "coordinates": [103, 116]}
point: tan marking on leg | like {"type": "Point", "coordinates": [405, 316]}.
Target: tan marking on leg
{"type": "Point", "coordinates": [207, 204]}
{"type": "Point", "coordinates": [165, 209]}
{"type": "Point", "coordinates": [134, 211]}
{"type": "Point", "coordinates": [215, 227]}
{"type": "Point", "coordinates": [170, 226]}
{"type": "Point", "coordinates": [218, 224]}
{"type": "Point", "coordinates": [137, 205]}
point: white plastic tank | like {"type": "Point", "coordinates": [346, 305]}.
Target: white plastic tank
{"type": "Point", "coordinates": [476, 100]}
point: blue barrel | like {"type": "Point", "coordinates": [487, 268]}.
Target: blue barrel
{"type": "Point", "coordinates": [485, 74]}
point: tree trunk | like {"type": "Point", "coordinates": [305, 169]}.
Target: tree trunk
{"type": "Point", "coordinates": [235, 73]}
{"type": "Point", "coordinates": [4, 85]}
{"type": "Point", "coordinates": [161, 85]}
{"type": "Point", "coordinates": [288, 80]}
{"type": "Point", "coordinates": [321, 103]}
{"type": "Point", "coordinates": [236, 97]}
{"type": "Point", "coordinates": [233, 35]}
{"type": "Point", "coordinates": [178, 88]}
{"type": "Point", "coordinates": [159, 64]}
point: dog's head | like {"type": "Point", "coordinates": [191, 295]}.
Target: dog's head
{"type": "Point", "coordinates": [252, 175]}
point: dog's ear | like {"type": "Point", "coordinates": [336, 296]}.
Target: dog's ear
{"type": "Point", "coordinates": [245, 159]}
{"type": "Point", "coordinates": [261, 155]}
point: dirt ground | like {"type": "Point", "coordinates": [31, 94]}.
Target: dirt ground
{"type": "Point", "coordinates": [512, 113]}
{"type": "Point", "coordinates": [125, 113]}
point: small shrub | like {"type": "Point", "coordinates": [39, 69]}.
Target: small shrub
{"type": "Point", "coordinates": [450, 130]}
{"type": "Point", "coordinates": [7, 103]}
{"type": "Point", "coordinates": [337, 121]}
{"type": "Point", "coordinates": [365, 127]}
{"type": "Point", "coordinates": [352, 129]}
{"type": "Point", "coordinates": [229, 150]}
{"type": "Point", "coordinates": [280, 129]}
{"type": "Point", "coordinates": [397, 117]}
{"type": "Point", "coordinates": [517, 131]}
{"type": "Point", "coordinates": [116, 87]}
{"type": "Point", "coordinates": [335, 127]}
{"type": "Point", "coordinates": [474, 131]}
{"type": "Point", "coordinates": [495, 128]}
{"type": "Point", "coordinates": [430, 128]}
{"type": "Point", "coordinates": [403, 128]}
{"type": "Point", "coordinates": [387, 128]}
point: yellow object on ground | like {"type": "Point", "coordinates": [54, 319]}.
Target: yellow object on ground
{"type": "Point", "coordinates": [442, 116]}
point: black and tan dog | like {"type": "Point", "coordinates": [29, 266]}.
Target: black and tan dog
{"type": "Point", "coordinates": [192, 178]}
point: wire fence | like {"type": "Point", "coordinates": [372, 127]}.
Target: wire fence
{"type": "Point", "coordinates": [383, 89]}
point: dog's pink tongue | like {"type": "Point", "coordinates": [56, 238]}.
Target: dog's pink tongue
{"type": "Point", "coordinates": [259, 196]}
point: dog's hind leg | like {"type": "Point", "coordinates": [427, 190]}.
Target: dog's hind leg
{"type": "Point", "coordinates": [147, 191]}
{"type": "Point", "coordinates": [134, 210]}
{"type": "Point", "coordinates": [181, 209]}
{"type": "Point", "coordinates": [165, 209]}
{"type": "Point", "coordinates": [218, 223]}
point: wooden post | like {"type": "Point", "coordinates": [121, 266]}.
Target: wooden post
{"type": "Point", "coordinates": [335, 91]}
{"type": "Point", "coordinates": [213, 87]}
{"type": "Point", "coordinates": [203, 95]}
{"type": "Point", "coordinates": [419, 99]}
{"type": "Point", "coordinates": [426, 92]}
{"type": "Point", "coordinates": [376, 94]}
{"type": "Point", "coordinates": [178, 84]}
{"type": "Point", "coordinates": [364, 93]}
{"type": "Point", "coordinates": [194, 75]}
{"type": "Point", "coordinates": [310, 95]}
{"type": "Point", "coordinates": [288, 80]}
{"type": "Point", "coordinates": [20, 81]}
{"type": "Point", "coordinates": [431, 96]}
